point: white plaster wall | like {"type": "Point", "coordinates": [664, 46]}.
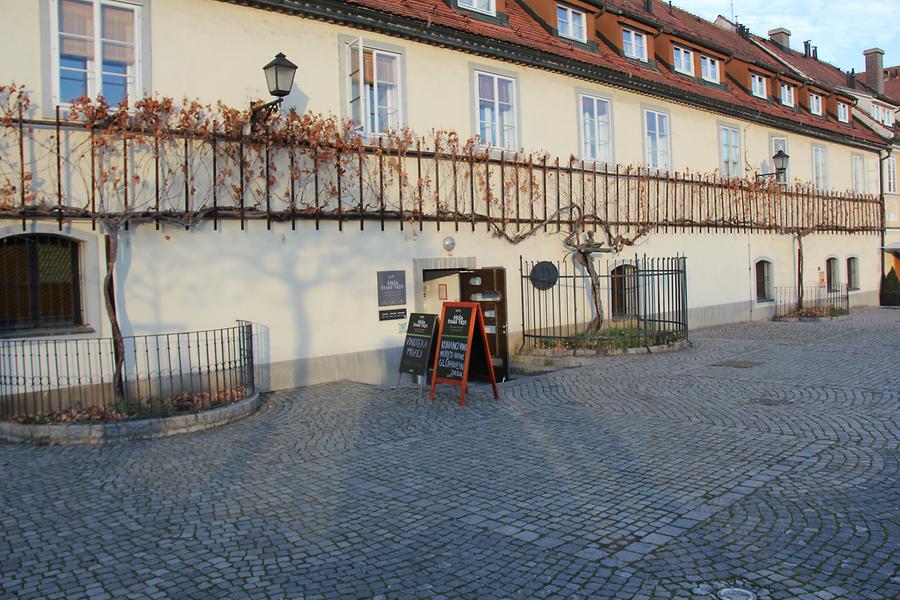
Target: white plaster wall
{"type": "Point", "coordinates": [214, 51]}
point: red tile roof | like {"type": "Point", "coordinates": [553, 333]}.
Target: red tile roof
{"type": "Point", "coordinates": [891, 83]}
{"type": "Point", "coordinates": [525, 31]}
{"type": "Point", "coordinates": [817, 70]}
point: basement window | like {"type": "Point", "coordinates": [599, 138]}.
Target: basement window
{"type": "Point", "coordinates": [39, 283]}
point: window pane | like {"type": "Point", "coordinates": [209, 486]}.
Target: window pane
{"type": "Point", "coordinates": [118, 24]}
{"type": "Point", "coordinates": [485, 87]}
{"type": "Point", "coordinates": [115, 89]}
{"type": "Point", "coordinates": [76, 17]}
{"type": "Point", "coordinates": [72, 85]}
{"type": "Point", "coordinates": [504, 87]}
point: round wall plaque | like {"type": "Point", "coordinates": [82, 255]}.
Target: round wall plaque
{"type": "Point", "coordinates": [544, 275]}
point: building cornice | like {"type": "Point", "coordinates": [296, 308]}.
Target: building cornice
{"type": "Point", "coordinates": [360, 17]}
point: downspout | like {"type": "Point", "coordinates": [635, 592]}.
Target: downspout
{"type": "Point", "coordinates": [881, 208]}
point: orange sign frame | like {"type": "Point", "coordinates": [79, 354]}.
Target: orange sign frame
{"type": "Point", "coordinates": [478, 318]}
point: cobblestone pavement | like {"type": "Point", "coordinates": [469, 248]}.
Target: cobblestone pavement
{"type": "Point", "coordinates": [663, 476]}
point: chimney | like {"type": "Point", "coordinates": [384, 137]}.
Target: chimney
{"type": "Point", "coordinates": [851, 78]}
{"type": "Point", "coordinates": [648, 6]}
{"type": "Point", "coordinates": [815, 52]}
{"type": "Point", "coordinates": [806, 47]}
{"type": "Point", "coordinates": [875, 69]}
{"type": "Point", "coordinates": [781, 36]}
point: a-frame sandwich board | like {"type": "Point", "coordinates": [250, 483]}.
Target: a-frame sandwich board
{"type": "Point", "coordinates": [462, 344]}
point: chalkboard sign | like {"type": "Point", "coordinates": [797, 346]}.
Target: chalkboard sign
{"type": "Point", "coordinates": [418, 344]}
{"type": "Point", "coordinates": [462, 348]}
{"type": "Point", "coordinates": [391, 288]}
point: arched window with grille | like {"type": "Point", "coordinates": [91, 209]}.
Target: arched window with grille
{"type": "Point", "coordinates": [39, 282]}
{"type": "Point", "coordinates": [763, 281]}
{"type": "Point", "coordinates": [832, 278]}
{"type": "Point", "coordinates": [624, 291]}
{"type": "Point", "coordinates": [852, 273]}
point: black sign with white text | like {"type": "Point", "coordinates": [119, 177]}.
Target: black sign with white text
{"type": "Point", "coordinates": [418, 344]}
{"type": "Point", "coordinates": [391, 288]}
{"type": "Point", "coordinates": [454, 342]}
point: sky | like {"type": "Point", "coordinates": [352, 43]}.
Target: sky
{"type": "Point", "coordinates": [841, 30]}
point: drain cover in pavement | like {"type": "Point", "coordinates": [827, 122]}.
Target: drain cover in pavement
{"type": "Point", "coordinates": [737, 364]}
{"type": "Point", "coordinates": [735, 594]}
{"type": "Point", "coordinates": [770, 401]}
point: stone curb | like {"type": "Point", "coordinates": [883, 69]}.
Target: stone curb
{"type": "Point", "coordinates": [140, 429]}
{"type": "Point", "coordinates": [570, 358]}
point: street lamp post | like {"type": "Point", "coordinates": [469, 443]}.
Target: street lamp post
{"type": "Point", "coordinates": [280, 79]}
{"type": "Point", "coordinates": [781, 163]}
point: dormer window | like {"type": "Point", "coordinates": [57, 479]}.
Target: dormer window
{"type": "Point", "coordinates": [787, 94]}
{"type": "Point", "coordinates": [709, 69]}
{"type": "Point", "coordinates": [483, 6]}
{"type": "Point", "coordinates": [758, 85]}
{"type": "Point", "coordinates": [683, 60]}
{"type": "Point", "coordinates": [843, 112]}
{"type": "Point", "coordinates": [815, 104]}
{"type": "Point", "coordinates": [634, 44]}
{"type": "Point", "coordinates": [570, 23]}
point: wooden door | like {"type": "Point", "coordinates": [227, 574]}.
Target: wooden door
{"type": "Point", "coordinates": [488, 288]}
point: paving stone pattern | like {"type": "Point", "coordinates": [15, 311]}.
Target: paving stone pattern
{"type": "Point", "coordinates": [657, 476]}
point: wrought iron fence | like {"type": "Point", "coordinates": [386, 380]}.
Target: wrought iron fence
{"type": "Point", "coordinates": [71, 380]}
{"type": "Point", "coordinates": [633, 303]}
{"type": "Point", "coordinates": [812, 301]}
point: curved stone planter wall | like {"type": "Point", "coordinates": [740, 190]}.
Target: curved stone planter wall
{"type": "Point", "coordinates": [98, 433]}
{"type": "Point", "coordinates": [567, 358]}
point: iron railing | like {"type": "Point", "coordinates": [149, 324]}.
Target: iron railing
{"type": "Point", "coordinates": [812, 301]}
{"type": "Point", "coordinates": [76, 379]}
{"type": "Point", "coordinates": [642, 302]}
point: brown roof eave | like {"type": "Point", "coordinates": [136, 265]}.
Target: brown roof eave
{"type": "Point", "coordinates": [354, 15]}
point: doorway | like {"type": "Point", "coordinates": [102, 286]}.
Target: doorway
{"type": "Point", "coordinates": [485, 286]}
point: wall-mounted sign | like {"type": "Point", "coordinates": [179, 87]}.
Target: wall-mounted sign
{"type": "Point", "coordinates": [463, 350]}
{"type": "Point", "coordinates": [391, 288]}
{"type": "Point", "coordinates": [417, 347]}
{"type": "Point", "coordinates": [392, 314]}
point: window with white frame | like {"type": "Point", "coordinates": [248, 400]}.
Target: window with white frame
{"type": "Point", "coordinates": [875, 112]}
{"type": "Point", "coordinates": [820, 167]}
{"type": "Point", "coordinates": [890, 166]}
{"type": "Point", "coordinates": [656, 140]}
{"type": "Point", "coordinates": [779, 143]}
{"type": "Point", "coordinates": [571, 23]}
{"type": "Point", "coordinates": [758, 85]}
{"type": "Point", "coordinates": [787, 94]}
{"type": "Point", "coordinates": [709, 69]}
{"type": "Point", "coordinates": [483, 6]}
{"type": "Point", "coordinates": [96, 50]}
{"type": "Point", "coordinates": [374, 89]}
{"type": "Point", "coordinates": [634, 44]}
{"type": "Point", "coordinates": [496, 110]}
{"type": "Point", "coordinates": [683, 60]}
{"type": "Point", "coordinates": [596, 138]}
{"type": "Point", "coordinates": [852, 273]}
{"type": "Point", "coordinates": [843, 112]}
{"type": "Point", "coordinates": [815, 104]}
{"type": "Point", "coordinates": [730, 151]}
{"type": "Point", "coordinates": [858, 173]}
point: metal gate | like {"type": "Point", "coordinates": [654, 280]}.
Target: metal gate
{"type": "Point", "coordinates": [636, 302]}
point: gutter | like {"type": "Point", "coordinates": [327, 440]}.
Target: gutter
{"type": "Point", "coordinates": [351, 15]}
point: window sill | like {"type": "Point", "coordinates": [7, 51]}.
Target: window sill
{"type": "Point", "coordinates": [765, 302]}
{"type": "Point", "coordinates": [47, 332]}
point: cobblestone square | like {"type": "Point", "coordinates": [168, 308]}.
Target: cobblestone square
{"type": "Point", "coordinates": [659, 476]}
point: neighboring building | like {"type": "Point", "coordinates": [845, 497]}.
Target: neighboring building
{"type": "Point", "coordinates": [618, 85]}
